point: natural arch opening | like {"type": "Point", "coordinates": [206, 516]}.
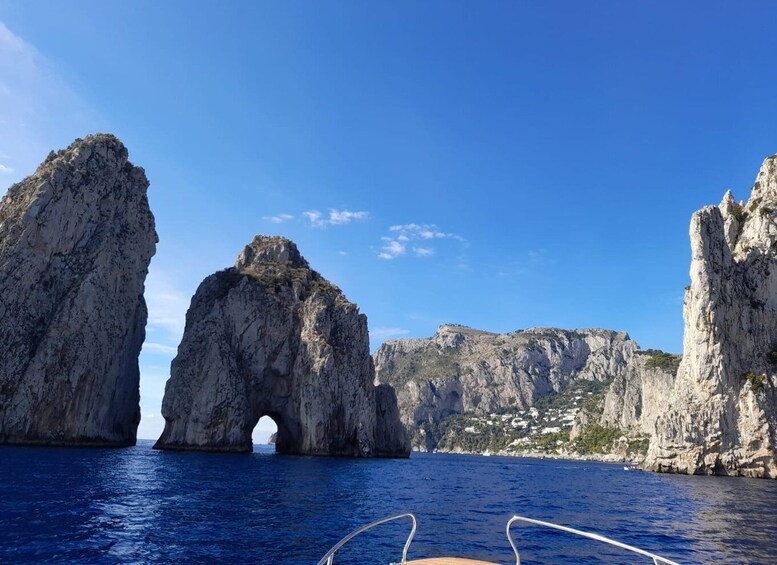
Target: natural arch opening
{"type": "Point", "coordinates": [265, 432]}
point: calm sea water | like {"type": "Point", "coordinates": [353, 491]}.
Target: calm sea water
{"type": "Point", "coordinates": [137, 505]}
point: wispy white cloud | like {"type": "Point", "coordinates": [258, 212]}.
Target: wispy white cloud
{"type": "Point", "coordinates": [342, 253]}
{"type": "Point", "coordinates": [391, 249]}
{"type": "Point", "coordinates": [152, 390]}
{"type": "Point", "coordinates": [313, 216]}
{"type": "Point", "coordinates": [279, 218]}
{"type": "Point", "coordinates": [38, 110]}
{"type": "Point", "coordinates": [167, 299]}
{"type": "Point", "coordinates": [337, 217]}
{"type": "Point", "coordinates": [159, 348]}
{"type": "Point", "coordinates": [167, 305]}
{"type": "Point", "coordinates": [317, 219]}
{"type": "Point", "coordinates": [11, 43]}
{"type": "Point", "coordinates": [167, 311]}
{"type": "Point", "coordinates": [334, 217]}
{"type": "Point", "coordinates": [402, 236]}
{"type": "Point", "coordinates": [423, 251]}
{"type": "Point", "coordinates": [387, 333]}
{"type": "Point", "coordinates": [423, 231]}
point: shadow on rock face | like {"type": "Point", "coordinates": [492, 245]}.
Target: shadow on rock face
{"type": "Point", "coordinates": [270, 336]}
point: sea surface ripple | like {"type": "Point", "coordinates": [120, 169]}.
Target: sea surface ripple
{"type": "Point", "coordinates": [137, 505]}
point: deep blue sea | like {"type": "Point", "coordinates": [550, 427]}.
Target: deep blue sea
{"type": "Point", "coordinates": [137, 505]}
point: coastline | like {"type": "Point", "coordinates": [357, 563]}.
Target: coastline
{"type": "Point", "coordinates": [595, 457]}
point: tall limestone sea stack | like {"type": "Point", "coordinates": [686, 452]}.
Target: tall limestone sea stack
{"type": "Point", "coordinates": [722, 417]}
{"type": "Point", "coordinates": [272, 337]}
{"type": "Point", "coordinates": [76, 239]}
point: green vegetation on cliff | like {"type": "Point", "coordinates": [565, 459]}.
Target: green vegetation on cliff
{"type": "Point", "coordinates": [466, 390]}
{"type": "Point", "coordinates": [595, 439]}
{"type": "Point", "coordinates": [432, 363]}
{"type": "Point", "coordinates": [543, 429]}
{"type": "Point", "coordinates": [756, 382]}
{"type": "Point", "coordinates": [661, 360]}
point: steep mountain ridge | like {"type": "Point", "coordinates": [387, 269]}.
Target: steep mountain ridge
{"type": "Point", "coordinates": [462, 372]}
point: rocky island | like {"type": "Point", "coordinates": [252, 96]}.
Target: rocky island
{"type": "Point", "coordinates": [270, 336]}
{"type": "Point", "coordinates": [722, 417]}
{"type": "Point", "coordinates": [594, 393]}
{"type": "Point", "coordinates": [543, 391]}
{"type": "Point", "coordinates": [76, 239]}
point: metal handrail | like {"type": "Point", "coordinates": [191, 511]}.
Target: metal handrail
{"type": "Point", "coordinates": [657, 559]}
{"type": "Point", "coordinates": [328, 559]}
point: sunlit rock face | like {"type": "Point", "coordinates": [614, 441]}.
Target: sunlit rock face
{"type": "Point", "coordinates": [462, 370]}
{"type": "Point", "coordinates": [722, 417]}
{"type": "Point", "coordinates": [272, 337]}
{"type": "Point", "coordinates": [76, 239]}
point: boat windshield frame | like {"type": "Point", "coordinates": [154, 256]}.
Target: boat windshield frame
{"type": "Point", "coordinates": [328, 559]}
{"type": "Point", "coordinates": [657, 559]}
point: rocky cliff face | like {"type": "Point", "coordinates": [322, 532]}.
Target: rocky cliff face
{"type": "Point", "coordinates": [465, 370]}
{"type": "Point", "coordinates": [76, 239]}
{"type": "Point", "coordinates": [272, 337]}
{"type": "Point", "coordinates": [722, 417]}
{"type": "Point", "coordinates": [637, 396]}
{"type": "Point", "coordinates": [586, 376]}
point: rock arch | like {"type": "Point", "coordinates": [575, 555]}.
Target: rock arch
{"type": "Point", "coordinates": [271, 336]}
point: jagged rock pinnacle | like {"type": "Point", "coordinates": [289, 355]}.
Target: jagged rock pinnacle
{"type": "Point", "coordinates": [722, 414]}
{"type": "Point", "coordinates": [76, 239]}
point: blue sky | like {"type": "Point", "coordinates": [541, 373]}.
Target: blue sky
{"type": "Point", "coordinates": [501, 164]}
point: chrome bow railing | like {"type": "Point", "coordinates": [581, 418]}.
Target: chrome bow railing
{"type": "Point", "coordinates": [329, 558]}
{"type": "Point", "coordinates": [657, 560]}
